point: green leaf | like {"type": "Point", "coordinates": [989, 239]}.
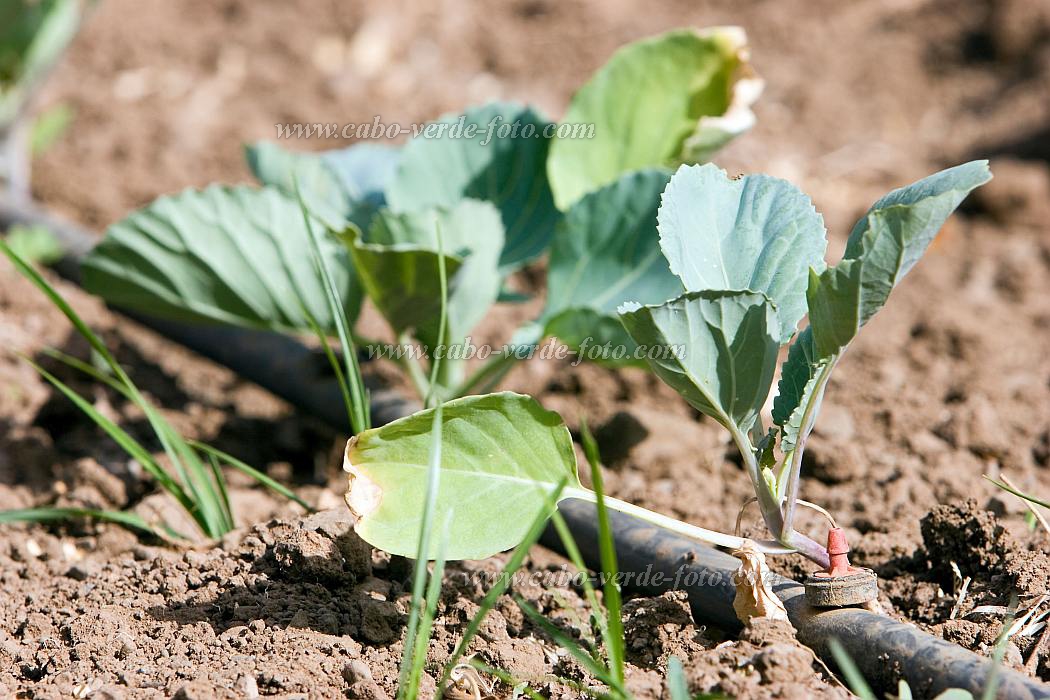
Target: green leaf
{"type": "Point", "coordinates": [955, 694]}
{"type": "Point", "coordinates": [606, 251]}
{"type": "Point", "coordinates": [401, 280]}
{"type": "Point", "coordinates": [495, 153]}
{"type": "Point", "coordinates": [670, 99]}
{"type": "Point", "coordinates": [719, 350]}
{"type": "Point", "coordinates": [596, 337]}
{"type": "Point", "coordinates": [235, 255]}
{"type": "Point", "coordinates": [497, 449]}
{"type": "Point", "coordinates": [884, 245]}
{"type": "Point", "coordinates": [398, 267]}
{"type": "Point", "coordinates": [882, 248]}
{"type": "Point", "coordinates": [756, 232]}
{"type": "Point", "coordinates": [338, 186]}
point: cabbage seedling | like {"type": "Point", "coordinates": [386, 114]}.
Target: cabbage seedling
{"type": "Point", "coordinates": [749, 253]}
{"type": "Point", "coordinates": [503, 183]}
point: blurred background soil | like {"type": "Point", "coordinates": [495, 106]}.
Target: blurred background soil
{"type": "Point", "coordinates": [949, 383]}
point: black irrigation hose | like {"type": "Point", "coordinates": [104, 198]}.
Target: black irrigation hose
{"type": "Point", "coordinates": [884, 649]}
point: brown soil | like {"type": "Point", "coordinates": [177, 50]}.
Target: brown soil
{"type": "Point", "coordinates": [948, 384]}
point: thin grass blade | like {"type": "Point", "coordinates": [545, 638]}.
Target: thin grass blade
{"type": "Point", "coordinates": [204, 509]}
{"type": "Point", "coordinates": [419, 575]}
{"type": "Point", "coordinates": [676, 683]}
{"type": "Point", "coordinates": [48, 515]}
{"type": "Point", "coordinates": [991, 685]}
{"type": "Point", "coordinates": [517, 558]}
{"type": "Point", "coordinates": [131, 446]}
{"type": "Point", "coordinates": [573, 552]}
{"type": "Point", "coordinates": [443, 319]}
{"type": "Point", "coordinates": [254, 473]}
{"type": "Point", "coordinates": [426, 624]}
{"type": "Point", "coordinates": [520, 687]}
{"type": "Point", "coordinates": [220, 484]}
{"type": "Point", "coordinates": [1020, 494]}
{"type": "Point", "coordinates": [340, 377]}
{"type": "Point", "coordinates": [88, 369]}
{"type": "Point", "coordinates": [360, 416]}
{"type": "Point", "coordinates": [615, 645]}
{"type": "Point", "coordinates": [854, 678]}
{"type": "Point", "coordinates": [207, 490]}
{"type": "Point", "coordinates": [572, 646]}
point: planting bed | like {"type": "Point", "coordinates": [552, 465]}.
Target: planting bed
{"type": "Point", "coordinates": [950, 383]}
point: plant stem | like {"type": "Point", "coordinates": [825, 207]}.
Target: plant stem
{"type": "Point", "coordinates": [811, 550]}
{"type": "Point", "coordinates": [795, 465]}
{"type": "Point", "coordinates": [767, 502]}
{"type": "Point", "coordinates": [685, 529]}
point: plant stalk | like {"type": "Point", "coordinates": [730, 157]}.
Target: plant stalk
{"type": "Point", "coordinates": [767, 502]}
{"type": "Point", "coordinates": [809, 417]}
{"type": "Point", "coordinates": [685, 529]}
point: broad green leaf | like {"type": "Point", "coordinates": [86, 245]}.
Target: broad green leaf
{"type": "Point", "coordinates": [472, 236]}
{"type": "Point", "coordinates": [338, 186]}
{"type": "Point", "coordinates": [720, 350]}
{"type": "Point", "coordinates": [607, 251]}
{"type": "Point", "coordinates": [884, 245]}
{"type": "Point", "coordinates": [235, 255]}
{"type": "Point", "coordinates": [401, 280]}
{"type": "Point", "coordinates": [670, 99]}
{"type": "Point", "coordinates": [756, 232]}
{"type": "Point", "coordinates": [495, 153]}
{"type": "Point", "coordinates": [500, 449]}
{"type": "Point", "coordinates": [882, 248]}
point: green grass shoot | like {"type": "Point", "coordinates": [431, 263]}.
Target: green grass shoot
{"type": "Point", "coordinates": [424, 596]}
{"type": "Point", "coordinates": [197, 484]}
